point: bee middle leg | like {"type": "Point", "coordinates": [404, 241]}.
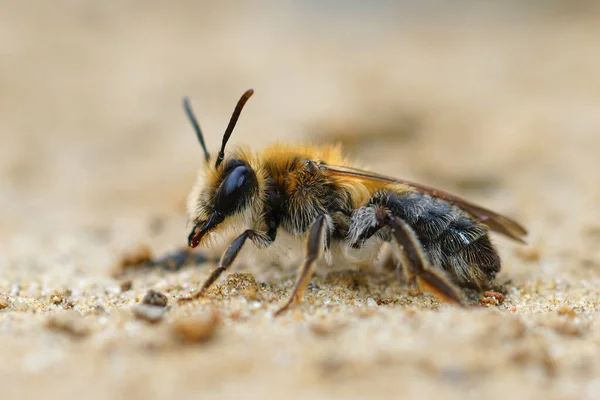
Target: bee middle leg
{"type": "Point", "coordinates": [318, 239]}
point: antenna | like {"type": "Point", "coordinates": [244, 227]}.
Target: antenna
{"type": "Point", "coordinates": [234, 117]}
{"type": "Point", "coordinates": [192, 118]}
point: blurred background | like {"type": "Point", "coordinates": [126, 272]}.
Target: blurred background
{"type": "Point", "coordinates": [495, 101]}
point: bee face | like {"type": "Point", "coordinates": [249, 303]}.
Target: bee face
{"type": "Point", "coordinates": [228, 186]}
{"type": "Point", "coordinates": [229, 195]}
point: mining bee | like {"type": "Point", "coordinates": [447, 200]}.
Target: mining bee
{"type": "Point", "coordinates": [314, 193]}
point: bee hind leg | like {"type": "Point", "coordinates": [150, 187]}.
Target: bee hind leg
{"type": "Point", "coordinates": [370, 220]}
{"type": "Point", "coordinates": [417, 266]}
{"type": "Point", "coordinates": [318, 239]}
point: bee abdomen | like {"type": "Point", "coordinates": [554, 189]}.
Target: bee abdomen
{"type": "Point", "coordinates": [465, 252]}
{"type": "Point", "coordinates": [453, 240]}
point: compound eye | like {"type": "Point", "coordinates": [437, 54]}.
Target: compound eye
{"type": "Point", "coordinates": [233, 189]}
{"type": "Point", "coordinates": [235, 181]}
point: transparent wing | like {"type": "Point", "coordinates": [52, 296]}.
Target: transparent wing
{"type": "Point", "coordinates": [494, 221]}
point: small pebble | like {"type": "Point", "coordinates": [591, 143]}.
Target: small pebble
{"type": "Point", "coordinates": [491, 298]}
{"type": "Point", "coordinates": [125, 285]}
{"type": "Point", "coordinates": [497, 295]}
{"type": "Point", "coordinates": [4, 301]}
{"type": "Point", "coordinates": [197, 328]}
{"type": "Point", "coordinates": [564, 310]}
{"type": "Point", "coordinates": [154, 298]}
{"type": "Point", "coordinates": [152, 314]}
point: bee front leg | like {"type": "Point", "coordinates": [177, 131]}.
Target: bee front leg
{"type": "Point", "coordinates": [260, 239]}
{"type": "Point", "coordinates": [318, 239]}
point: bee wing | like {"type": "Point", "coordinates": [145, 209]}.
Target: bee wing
{"type": "Point", "coordinates": [494, 221]}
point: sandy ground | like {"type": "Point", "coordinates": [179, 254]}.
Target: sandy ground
{"type": "Point", "coordinates": [501, 105]}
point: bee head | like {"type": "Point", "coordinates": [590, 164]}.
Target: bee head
{"type": "Point", "coordinates": [227, 188]}
{"type": "Point", "coordinates": [227, 193]}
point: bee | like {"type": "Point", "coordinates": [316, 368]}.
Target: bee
{"type": "Point", "coordinates": [315, 194]}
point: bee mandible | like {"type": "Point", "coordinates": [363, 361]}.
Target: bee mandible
{"type": "Point", "coordinates": [314, 194]}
